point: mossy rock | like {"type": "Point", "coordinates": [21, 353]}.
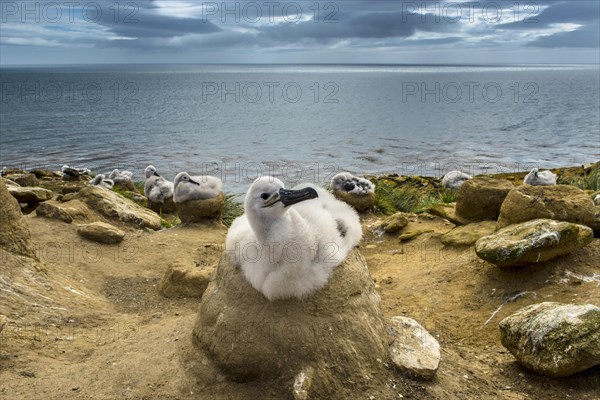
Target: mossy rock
{"type": "Point", "coordinates": [532, 242]}
{"type": "Point", "coordinates": [114, 206]}
{"type": "Point", "coordinates": [554, 339]}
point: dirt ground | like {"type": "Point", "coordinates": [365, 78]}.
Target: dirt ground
{"type": "Point", "coordinates": [115, 337]}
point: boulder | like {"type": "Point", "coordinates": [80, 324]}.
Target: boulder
{"type": "Point", "coordinates": [168, 207]}
{"type": "Point", "coordinates": [360, 202]}
{"type": "Point", "coordinates": [24, 179]}
{"type": "Point", "coordinates": [73, 210]}
{"type": "Point", "coordinates": [414, 351]}
{"type": "Point", "coordinates": [339, 331]}
{"type": "Point", "coordinates": [559, 202]}
{"type": "Point", "coordinates": [554, 339]}
{"type": "Point", "coordinates": [182, 281]}
{"type": "Point", "coordinates": [199, 210]}
{"type": "Point", "coordinates": [14, 234]}
{"type": "Point", "coordinates": [533, 241]}
{"type": "Point", "coordinates": [480, 198]}
{"type": "Point", "coordinates": [467, 235]}
{"type": "Point", "coordinates": [114, 206]}
{"type": "Point", "coordinates": [30, 195]}
{"type": "Point", "coordinates": [394, 223]}
{"type": "Point", "coordinates": [101, 232]}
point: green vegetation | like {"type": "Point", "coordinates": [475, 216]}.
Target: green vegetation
{"type": "Point", "coordinates": [449, 196]}
{"type": "Point", "coordinates": [139, 186]}
{"type": "Point", "coordinates": [169, 222]}
{"type": "Point", "coordinates": [390, 200]}
{"type": "Point", "coordinates": [232, 209]}
{"type": "Point", "coordinates": [412, 196]}
{"type": "Point", "coordinates": [131, 196]}
{"type": "Point", "coordinates": [590, 181]}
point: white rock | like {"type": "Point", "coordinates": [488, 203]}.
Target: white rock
{"type": "Point", "coordinates": [414, 351]}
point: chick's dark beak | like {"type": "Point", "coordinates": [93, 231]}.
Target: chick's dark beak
{"type": "Point", "coordinates": [289, 197]}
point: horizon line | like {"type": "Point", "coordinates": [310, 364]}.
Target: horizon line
{"type": "Point", "coordinates": [310, 64]}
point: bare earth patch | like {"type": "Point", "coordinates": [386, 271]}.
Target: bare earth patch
{"type": "Point", "coordinates": [125, 341]}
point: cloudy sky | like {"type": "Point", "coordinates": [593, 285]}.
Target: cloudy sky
{"type": "Point", "coordinates": [365, 31]}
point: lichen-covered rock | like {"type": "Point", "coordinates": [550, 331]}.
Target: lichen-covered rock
{"type": "Point", "coordinates": [558, 202]}
{"type": "Point", "coordinates": [183, 281]}
{"type": "Point", "coordinates": [73, 210]}
{"type": "Point", "coordinates": [14, 232]}
{"type": "Point", "coordinates": [24, 179]}
{"type": "Point", "coordinates": [394, 223]}
{"type": "Point", "coordinates": [30, 195]}
{"type": "Point", "coordinates": [360, 202]}
{"type": "Point", "coordinates": [112, 205]}
{"type": "Point", "coordinates": [101, 232]}
{"type": "Point", "coordinates": [467, 235]}
{"type": "Point", "coordinates": [414, 351]}
{"type": "Point", "coordinates": [199, 210]}
{"type": "Point", "coordinates": [480, 198]}
{"type": "Point", "coordinates": [554, 339]}
{"type": "Point", "coordinates": [339, 331]}
{"type": "Point", "coordinates": [533, 241]}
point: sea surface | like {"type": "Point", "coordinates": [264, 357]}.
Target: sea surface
{"type": "Point", "coordinates": [299, 122]}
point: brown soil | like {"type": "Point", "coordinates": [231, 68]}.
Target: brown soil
{"type": "Point", "coordinates": [124, 341]}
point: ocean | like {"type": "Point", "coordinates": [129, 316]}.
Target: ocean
{"type": "Point", "coordinates": [299, 122]}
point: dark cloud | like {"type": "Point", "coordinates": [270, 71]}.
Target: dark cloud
{"type": "Point", "coordinates": [144, 23]}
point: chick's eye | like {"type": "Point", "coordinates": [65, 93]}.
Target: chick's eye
{"type": "Point", "coordinates": [264, 196]}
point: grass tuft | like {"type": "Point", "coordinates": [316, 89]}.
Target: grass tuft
{"type": "Point", "coordinates": [232, 208]}
{"type": "Point", "coordinates": [168, 223]}
{"type": "Point", "coordinates": [590, 181]}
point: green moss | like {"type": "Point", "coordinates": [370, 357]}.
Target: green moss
{"type": "Point", "coordinates": [129, 195]}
